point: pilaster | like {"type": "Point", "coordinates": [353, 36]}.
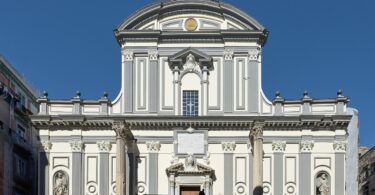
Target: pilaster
{"type": "Point", "coordinates": [153, 148]}
{"type": "Point", "coordinates": [177, 90]}
{"type": "Point", "coordinates": [44, 158]}
{"type": "Point", "coordinates": [278, 148]}
{"type": "Point", "coordinates": [128, 58]}
{"type": "Point", "coordinates": [253, 82]}
{"type": "Point", "coordinates": [104, 149]}
{"type": "Point", "coordinates": [228, 81]}
{"type": "Point", "coordinates": [153, 80]}
{"type": "Point", "coordinates": [228, 149]}
{"type": "Point", "coordinates": [306, 147]}
{"type": "Point", "coordinates": [77, 177]}
{"type": "Point", "coordinates": [340, 150]}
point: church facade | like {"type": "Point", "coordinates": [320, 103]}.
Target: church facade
{"type": "Point", "coordinates": [191, 115]}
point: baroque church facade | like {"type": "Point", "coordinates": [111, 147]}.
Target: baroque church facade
{"type": "Point", "coordinates": [191, 115]}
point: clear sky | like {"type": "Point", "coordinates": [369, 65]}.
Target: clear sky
{"type": "Point", "coordinates": [318, 45]}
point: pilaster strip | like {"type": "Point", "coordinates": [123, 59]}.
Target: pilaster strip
{"type": "Point", "coordinates": [228, 173]}
{"type": "Point", "coordinates": [340, 151]}
{"type": "Point", "coordinates": [104, 149]}
{"type": "Point", "coordinates": [253, 81]}
{"type": "Point", "coordinates": [278, 148]}
{"type": "Point", "coordinates": [306, 147]}
{"type": "Point", "coordinates": [153, 81]}
{"type": "Point", "coordinates": [228, 81]}
{"type": "Point", "coordinates": [77, 179]}
{"type": "Point", "coordinates": [128, 85]}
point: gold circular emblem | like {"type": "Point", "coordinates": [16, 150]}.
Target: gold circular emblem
{"type": "Point", "coordinates": [191, 24]}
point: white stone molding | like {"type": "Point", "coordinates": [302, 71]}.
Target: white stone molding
{"type": "Point", "coordinates": [153, 146]}
{"type": "Point", "coordinates": [339, 146]}
{"type": "Point", "coordinates": [77, 146]}
{"type": "Point", "coordinates": [254, 54]}
{"type": "Point", "coordinates": [104, 146]}
{"type": "Point", "coordinates": [153, 55]}
{"type": "Point", "coordinates": [206, 159]}
{"type": "Point", "coordinates": [129, 55]}
{"type": "Point", "coordinates": [306, 145]}
{"type": "Point", "coordinates": [228, 146]}
{"type": "Point", "coordinates": [228, 54]}
{"type": "Point", "coordinates": [47, 145]}
{"type": "Point", "coordinates": [278, 146]}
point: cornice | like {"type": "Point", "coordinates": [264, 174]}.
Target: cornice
{"type": "Point", "coordinates": [271, 123]}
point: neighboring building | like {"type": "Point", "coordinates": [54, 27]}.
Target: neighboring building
{"type": "Point", "coordinates": [352, 156]}
{"type": "Point", "coordinates": [18, 139]}
{"type": "Point", "coordinates": [191, 114]}
{"type": "Point", "coordinates": [367, 173]}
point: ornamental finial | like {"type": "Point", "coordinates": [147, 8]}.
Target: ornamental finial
{"type": "Point", "coordinates": [78, 94]}
{"type": "Point", "coordinates": [339, 93]}
{"type": "Point", "coordinates": [306, 94]}
{"type": "Point", "coordinates": [45, 94]}
{"type": "Point", "coordinates": [105, 95]}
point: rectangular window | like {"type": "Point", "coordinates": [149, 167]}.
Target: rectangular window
{"type": "Point", "coordinates": [20, 134]}
{"type": "Point", "coordinates": [190, 103]}
{"type": "Point", "coordinates": [21, 167]}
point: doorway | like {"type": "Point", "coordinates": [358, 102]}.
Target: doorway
{"type": "Point", "coordinates": [189, 190]}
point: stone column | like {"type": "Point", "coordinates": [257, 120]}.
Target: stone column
{"type": "Point", "coordinates": [256, 136]}
{"type": "Point", "coordinates": [122, 135]}
{"type": "Point", "coordinates": [177, 91]}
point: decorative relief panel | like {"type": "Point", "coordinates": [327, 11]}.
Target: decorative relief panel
{"type": "Point", "coordinates": [153, 146]}
{"type": "Point", "coordinates": [306, 145]}
{"type": "Point", "coordinates": [339, 146]}
{"type": "Point", "coordinates": [278, 146]}
{"type": "Point", "coordinates": [228, 146]}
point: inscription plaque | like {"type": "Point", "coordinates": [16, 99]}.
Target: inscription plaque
{"type": "Point", "coordinates": [190, 143]}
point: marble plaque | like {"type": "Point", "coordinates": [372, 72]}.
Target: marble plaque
{"type": "Point", "coordinates": [190, 143]}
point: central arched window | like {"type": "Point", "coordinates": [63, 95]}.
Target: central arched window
{"type": "Point", "coordinates": [190, 103]}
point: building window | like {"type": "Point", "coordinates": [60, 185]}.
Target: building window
{"type": "Point", "coordinates": [190, 103]}
{"type": "Point", "coordinates": [20, 134]}
{"type": "Point", "coordinates": [21, 167]}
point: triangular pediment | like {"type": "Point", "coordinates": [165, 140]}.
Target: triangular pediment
{"type": "Point", "coordinates": [200, 170]}
{"type": "Point", "coordinates": [180, 57]}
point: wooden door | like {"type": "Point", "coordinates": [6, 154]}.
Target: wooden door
{"type": "Point", "coordinates": [189, 190]}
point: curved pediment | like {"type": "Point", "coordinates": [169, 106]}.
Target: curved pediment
{"type": "Point", "coordinates": [178, 15]}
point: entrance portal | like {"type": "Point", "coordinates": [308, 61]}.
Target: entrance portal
{"type": "Point", "coordinates": [189, 190]}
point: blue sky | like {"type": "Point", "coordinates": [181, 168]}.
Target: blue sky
{"type": "Point", "coordinates": [320, 46]}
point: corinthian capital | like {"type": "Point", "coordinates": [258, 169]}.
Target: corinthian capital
{"type": "Point", "coordinates": [129, 55]}
{"type": "Point", "coordinates": [104, 146]}
{"type": "Point", "coordinates": [306, 145]}
{"type": "Point", "coordinates": [77, 146]}
{"type": "Point", "coordinates": [228, 54]}
{"type": "Point", "coordinates": [254, 54]}
{"type": "Point", "coordinates": [153, 55]}
{"type": "Point", "coordinates": [47, 145]}
{"type": "Point", "coordinates": [339, 146]}
{"type": "Point", "coordinates": [122, 130]}
{"type": "Point", "coordinates": [153, 146]}
{"type": "Point", "coordinates": [278, 146]}
{"type": "Point", "coordinates": [257, 130]}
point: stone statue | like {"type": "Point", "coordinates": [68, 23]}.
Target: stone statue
{"type": "Point", "coordinates": [61, 184]}
{"type": "Point", "coordinates": [190, 163]}
{"type": "Point", "coordinates": [322, 185]}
